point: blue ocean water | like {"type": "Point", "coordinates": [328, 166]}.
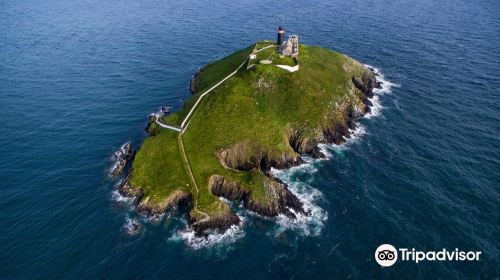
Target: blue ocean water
{"type": "Point", "coordinates": [79, 77]}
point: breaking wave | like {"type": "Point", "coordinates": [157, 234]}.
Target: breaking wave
{"type": "Point", "coordinates": [386, 84]}
{"type": "Point", "coordinates": [117, 158]}
{"type": "Point", "coordinates": [308, 225]}
{"type": "Point", "coordinates": [376, 108]}
{"type": "Point", "coordinates": [386, 87]}
{"type": "Point", "coordinates": [116, 196]}
{"type": "Point", "coordinates": [214, 239]}
{"type": "Point", "coordinates": [131, 226]}
{"type": "Point", "coordinates": [312, 224]}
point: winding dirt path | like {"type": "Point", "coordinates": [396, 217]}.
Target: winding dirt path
{"type": "Point", "coordinates": [185, 122]}
{"type": "Point", "coordinates": [184, 126]}
{"type": "Point", "coordinates": [187, 166]}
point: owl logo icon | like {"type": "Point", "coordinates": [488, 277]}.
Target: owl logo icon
{"type": "Point", "coordinates": [386, 255]}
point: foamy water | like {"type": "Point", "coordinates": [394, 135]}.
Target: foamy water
{"type": "Point", "coordinates": [386, 84]}
{"type": "Point", "coordinates": [215, 239]}
{"type": "Point", "coordinates": [116, 157]}
{"type": "Point", "coordinates": [132, 226]}
{"type": "Point", "coordinates": [118, 197]}
{"type": "Point", "coordinates": [310, 224]}
{"type": "Point", "coordinates": [85, 74]}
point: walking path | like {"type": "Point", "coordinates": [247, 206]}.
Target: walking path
{"type": "Point", "coordinates": [187, 166]}
{"type": "Point", "coordinates": [185, 122]}
{"type": "Point", "coordinates": [166, 125]}
{"type": "Point", "coordinates": [184, 125]}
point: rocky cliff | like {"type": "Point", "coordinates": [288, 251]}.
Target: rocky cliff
{"type": "Point", "coordinates": [262, 118]}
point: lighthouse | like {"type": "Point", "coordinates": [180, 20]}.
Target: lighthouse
{"type": "Point", "coordinates": [281, 36]}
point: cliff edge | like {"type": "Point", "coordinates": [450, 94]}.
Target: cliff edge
{"type": "Point", "coordinates": [263, 117]}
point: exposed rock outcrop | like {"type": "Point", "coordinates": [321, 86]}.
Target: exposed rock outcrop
{"type": "Point", "coordinates": [243, 156]}
{"type": "Point", "coordinates": [279, 200]}
{"type": "Point", "coordinates": [275, 198]}
{"type": "Point", "coordinates": [231, 190]}
{"type": "Point", "coordinates": [152, 126]}
{"type": "Point", "coordinates": [247, 156]}
{"type": "Point", "coordinates": [283, 161]}
{"type": "Point", "coordinates": [221, 222]}
{"type": "Point", "coordinates": [365, 87]}
{"type": "Point", "coordinates": [121, 157]}
{"type": "Point", "coordinates": [303, 145]}
{"type": "Point", "coordinates": [127, 190]}
{"type": "Point", "coordinates": [174, 200]}
{"type": "Point", "coordinates": [193, 83]}
{"type": "Point", "coordinates": [336, 133]}
{"type": "Point", "coordinates": [145, 205]}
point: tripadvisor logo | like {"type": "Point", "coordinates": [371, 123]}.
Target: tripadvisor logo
{"type": "Point", "coordinates": [387, 255]}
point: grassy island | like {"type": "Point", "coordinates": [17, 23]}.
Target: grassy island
{"type": "Point", "coordinates": [261, 117]}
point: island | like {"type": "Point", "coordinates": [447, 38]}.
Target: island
{"type": "Point", "coordinates": [262, 107]}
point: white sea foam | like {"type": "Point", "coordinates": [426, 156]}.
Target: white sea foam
{"type": "Point", "coordinates": [310, 224]}
{"type": "Point", "coordinates": [376, 108]}
{"type": "Point", "coordinates": [120, 153]}
{"type": "Point", "coordinates": [155, 219]}
{"type": "Point", "coordinates": [325, 151]}
{"type": "Point", "coordinates": [131, 226]}
{"type": "Point", "coordinates": [117, 157]}
{"type": "Point", "coordinates": [118, 197]}
{"type": "Point", "coordinates": [214, 239]}
{"type": "Point", "coordinates": [313, 222]}
{"type": "Point", "coordinates": [386, 87]}
{"type": "Point", "coordinates": [385, 84]}
{"type": "Point", "coordinates": [355, 134]}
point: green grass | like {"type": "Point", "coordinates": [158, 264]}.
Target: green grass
{"type": "Point", "coordinates": [273, 55]}
{"type": "Point", "coordinates": [158, 168]}
{"type": "Point", "coordinates": [285, 60]}
{"type": "Point", "coordinates": [261, 44]}
{"type": "Point", "coordinates": [210, 75]}
{"type": "Point", "coordinates": [266, 54]}
{"type": "Point", "coordinates": [241, 111]}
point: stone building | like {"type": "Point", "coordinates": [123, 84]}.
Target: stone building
{"type": "Point", "coordinates": [290, 47]}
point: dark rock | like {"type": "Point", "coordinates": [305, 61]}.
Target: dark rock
{"type": "Point", "coordinates": [126, 190]}
{"type": "Point", "coordinates": [359, 85]}
{"type": "Point", "coordinates": [367, 84]}
{"type": "Point", "coordinates": [304, 146]}
{"type": "Point", "coordinates": [279, 202]}
{"type": "Point", "coordinates": [221, 223]}
{"type": "Point", "coordinates": [231, 190]}
{"type": "Point", "coordinates": [121, 157]}
{"type": "Point", "coordinates": [194, 83]}
{"type": "Point", "coordinates": [367, 109]}
{"type": "Point", "coordinates": [152, 127]}
{"type": "Point", "coordinates": [247, 156]}
{"type": "Point", "coordinates": [336, 134]}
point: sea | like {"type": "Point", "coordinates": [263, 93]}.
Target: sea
{"type": "Point", "coordinates": [78, 79]}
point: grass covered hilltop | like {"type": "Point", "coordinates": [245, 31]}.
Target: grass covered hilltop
{"type": "Point", "coordinates": [261, 117]}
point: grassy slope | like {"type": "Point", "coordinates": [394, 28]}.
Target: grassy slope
{"type": "Point", "coordinates": [239, 111]}
{"type": "Point", "coordinates": [261, 44]}
{"type": "Point", "coordinates": [210, 75]}
{"type": "Point", "coordinates": [158, 168]}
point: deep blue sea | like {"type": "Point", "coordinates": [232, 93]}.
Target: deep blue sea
{"type": "Point", "coordinates": [79, 77]}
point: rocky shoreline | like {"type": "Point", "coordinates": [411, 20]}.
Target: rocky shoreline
{"type": "Point", "coordinates": [245, 157]}
{"type": "Point", "coordinates": [121, 158]}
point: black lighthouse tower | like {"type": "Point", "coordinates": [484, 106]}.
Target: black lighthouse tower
{"type": "Point", "coordinates": [281, 36]}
